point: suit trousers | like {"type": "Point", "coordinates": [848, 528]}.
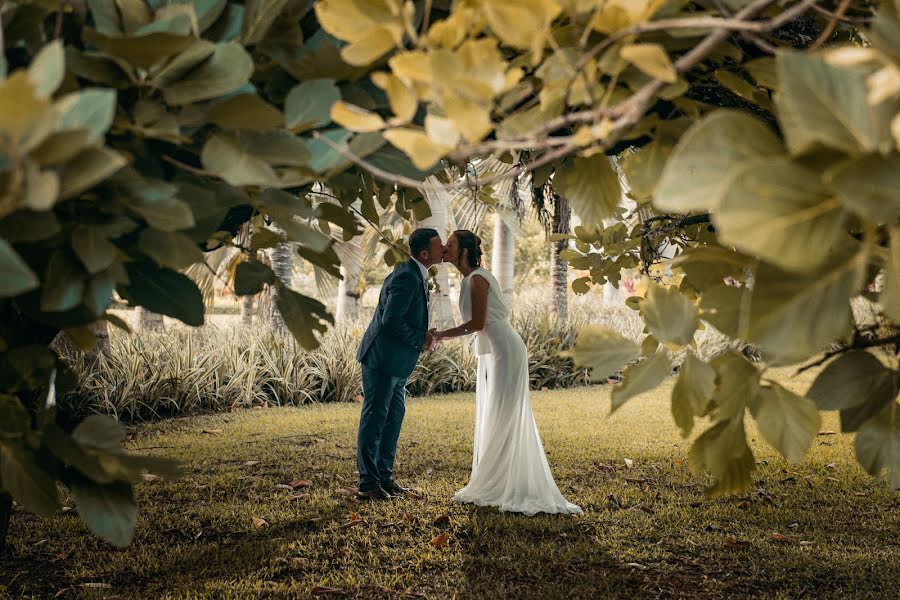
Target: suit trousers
{"type": "Point", "coordinates": [384, 405]}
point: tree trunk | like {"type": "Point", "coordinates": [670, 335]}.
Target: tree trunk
{"type": "Point", "coordinates": [441, 307]}
{"type": "Point", "coordinates": [503, 257]}
{"type": "Point", "coordinates": [148, 320]}
{"type": "Point", "coordinates": [559, 268]}
{"type": "Point", "coordinates": [283, 267]}
{"type": "Point", "coordinates": [347, 304]}
{"type": "Point", "coordinates": [5, 514]}
{"type": "Point", "coordinates": [247, 301]}
{"type": "Point", "coordinates": [100, 329]}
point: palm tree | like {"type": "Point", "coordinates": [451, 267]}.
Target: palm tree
{"type": "Point", "coordinates": [282, 257]}
{"type": "Point", "coordinates": [348, 295]}
{"type": "Point", "coordinates": [441, 307]}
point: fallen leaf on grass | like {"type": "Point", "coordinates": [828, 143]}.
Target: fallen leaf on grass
{"type": "Point", "coordinates": [97, 586]}
{"type": "Point", "coordinates": [299, 483]}
{"type": "Point", "coordinates": [324, 590]}
{"type": "Point", "coordinates": [783, 539]}
{"type": "Point", "coordinates": [831, 466]}
{"type": "Point", "coordinates": [827, 433]}
{"type": "Point", "coordinates": [353, 519]}
{"type": "Point", "coordinates": [731, 542]}
{"type": "Point", "coordinates": [440, 541]}
{"type": "Point", "coordinates": [251, 463]}
{"type": "Point", "coordinates": [345, 492]}
{"type": "Point", "coordinates": [441, 520]}
{"type": "Point", "coordinates": [629, 463]}
{"type": "Point", "coordinates": [213, 431]}
{"type": "Point", "coordinates": [294, 497]}
{"type": "Point", "coordinates": [637, 566]}
{"type": "Point", "coordinates": [150, 477]}
{"type": "Point", "coordinates": [806, 543]}
{"type": "Point", "coordinates": [679, 461]}
{"type": "Point", "coordinates": [257, 522]}
{"type": "Point", "coordinates": [283, 486]}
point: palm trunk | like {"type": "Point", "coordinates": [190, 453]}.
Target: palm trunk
{"type": "Point", "coordinates": [101, 332]}
{"type": "Point", "coordinates": [503, 257]}
{"type": "Point", "coordinates": [283, 267]}
{"type": "Point", "coordinates": [441, 307]}
{"type": "Point", "coordinates": [148, 320]}
{"type": "Point", "coordinates": [5, 513]}
{"type": "Point", "coordinates": [247, 301]}
{"type": "Point", "coordinates": [559, 268]}
{"type": "Point", "coordinates": [347, 304]}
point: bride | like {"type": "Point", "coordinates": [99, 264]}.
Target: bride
{"type": "Point", "coordinates": [509, 468]}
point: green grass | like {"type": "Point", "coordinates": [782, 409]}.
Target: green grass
{"type": "Point", "coordinates": [647, 530]}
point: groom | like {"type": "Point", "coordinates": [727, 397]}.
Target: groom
{"type": "Point", "coordinates": [389, 351]}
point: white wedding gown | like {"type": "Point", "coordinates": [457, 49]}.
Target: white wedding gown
{"type": "Point", "coordinates": [509, 468]}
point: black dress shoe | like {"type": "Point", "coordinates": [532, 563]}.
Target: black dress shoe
{"type": "Point", "coordinates": [394, 489]}
{"type": "Point", "coordinates": [376, 494]}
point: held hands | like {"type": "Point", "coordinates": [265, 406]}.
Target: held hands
{"type": "Point", "coordinates": [432, 337]}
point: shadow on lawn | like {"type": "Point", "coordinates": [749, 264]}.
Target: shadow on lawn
{"type": "Point", "coordinates": [554, 556]}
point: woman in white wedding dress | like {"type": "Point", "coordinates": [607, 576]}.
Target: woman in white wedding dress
{"type": "Point", "coordinates": [509, 468]}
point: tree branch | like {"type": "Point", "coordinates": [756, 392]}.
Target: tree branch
{"type": "Point", "coordinates": [858, 343]}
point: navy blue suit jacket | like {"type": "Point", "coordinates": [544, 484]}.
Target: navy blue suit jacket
{"type": "Point", "coordinates": [396, 336]}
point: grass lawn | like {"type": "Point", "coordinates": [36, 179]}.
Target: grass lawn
{"type": "Point", "coordinates": [233, 528]}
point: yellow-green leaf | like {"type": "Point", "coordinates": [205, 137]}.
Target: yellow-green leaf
{"type": "Point", "coordinates": [602, 350]}
{"type": "Point", "coordinates": [423, 152]}
{"type": "Point", "coordinates": [669, 316]}
{"type": "Point", "coordinates": [641, 378]}
{"type": "Point", "coordinates": [652, 59]}
{"type": "Point", "coordinates": [591, 186]}
{"type": "Point", "coordinates": [787, 421]}
{"type": "Point", "coordinates": [692, 392]}
{"type": "Point", "coordinates": [355, 118]}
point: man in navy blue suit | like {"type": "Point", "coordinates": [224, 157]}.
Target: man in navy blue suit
{"type": "Point", "coordinates": [389, 351]}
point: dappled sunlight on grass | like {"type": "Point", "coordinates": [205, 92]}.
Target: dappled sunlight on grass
{"type": "Point", "coordinates": [647, 528]}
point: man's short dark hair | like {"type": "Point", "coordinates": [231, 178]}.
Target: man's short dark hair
{"type": "Point", "coordinates": [419, 240]}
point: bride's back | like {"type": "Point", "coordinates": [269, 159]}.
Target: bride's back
{"type": "Point", "coordinates": [497, 310]}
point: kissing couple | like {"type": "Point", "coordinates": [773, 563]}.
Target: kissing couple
{"type": "Point", "coordinates": [509, 467]}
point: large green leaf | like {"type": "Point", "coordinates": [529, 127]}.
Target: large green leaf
{"type": "Point", "coordinates": [92, 109]}
{"type": "Point", "coordinates": [109, 509]}
{"type": "Point", "coordinates": [737, 384]}
{"type": "Point", "coordinates": [278, 148]}
{"type": "Point", "coordinates": [229, 68]}
{"type": "Point", "coordinates": [16, 277]}
{"type": "Point", "coordinates": [249, 277]}
{"type": "Point", "coordinates": [707, 266]}
{"type": "Point", "coordinates": [99, 291]}
{"type": "Point", "coordinates": [100, 432]}
{"type": "Point", "coordinates": [781, 212]}
{"type": "Point", "coordinates": [303, 315]}
{"type": "Point", "coordinates": [644, 168]}
{"type": "Point", "coordinates": [692, 392]}
{"type": "Point", "coordinates": [258, 18]}
{"type": "Point", "coordinates": [165, 291]}
{"type": "Point", "coordinates": [182, 63]}
{"type": "Point", "coordinates": [602, 350]}
{"type": "Point", "coordinates": [47, 69]}
{"type": "Point", "coordinates": [93, 248]}
{"type": "Point", "coordinates": [591, 186]}
{"type": "Point", "coordinates": [246, 111]}
{"type": "Point", "coordinates": [787, 421]}
{"type": "Point", "coordinates": [169, 249]}
{"type": "Point", "coordinates": [142, 51]}
{"type": "Point", "coordinates": [793, 316]}
{"type": "Point", "coordinates": [823, 105]}
{"type": "Point", "coordinates": [224, 156]}
{"type": "Point", "coordinates": [89, 168]}
{"type": "Point", "coordinates": [641, 378]}
{"type": "Point", "coordinates": [708, 157]}
{"type": "Point", "coordinates": [869, 186]}
{"type": "Point", "coordinates": [878, 445]}
{"type": "Point", "coordinates": [63, 283]}
{"type": "Point", "coordinates": [723, 451]}
{"type": "Point", "coordinates": [308, 105]}
{"type": "Point", "coordinates": [669, 315]}
{"type": "Point", "coordinates": [852, 379]}
{"type": "Point", "coordinates": [29, 485]}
